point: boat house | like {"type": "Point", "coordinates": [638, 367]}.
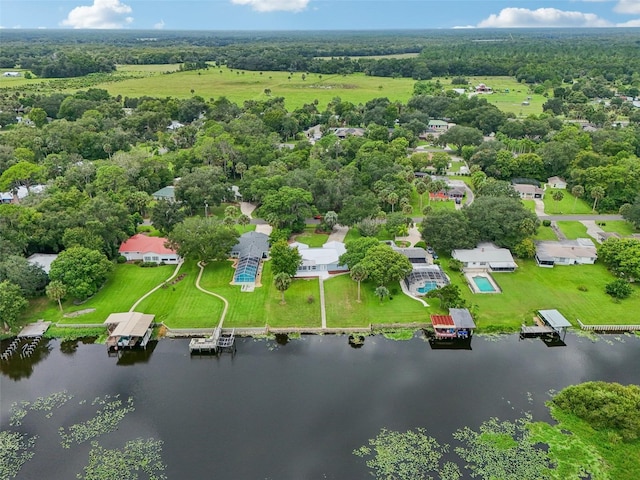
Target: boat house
{"type": "Point", "coordinates": [458, 324]}
{"type": "Point", "coordinates": [128, 330]}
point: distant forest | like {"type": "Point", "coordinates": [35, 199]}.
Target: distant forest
{"type": "Point", "coordinates": [532, 56]}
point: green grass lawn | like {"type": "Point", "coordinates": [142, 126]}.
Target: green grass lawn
{"type": "Point", "coordinates": [182, 305]}
{"type": "Point", "coordinates": [435, 205]}
{"type": "Point", "coordinates": [510, 101]}
{"type": "Point", "coordinates": [619, 226]}
{"type": "Point", "coordinates": [529, 205]}
{"type": "Point", "coordinates": [532, 288]}
{"type": "Point", "coordinates": [573, 230]}
{"type": "Point", "coordinates": [343, 310]}
{"type": "Point", "coordinates": [311, 238]}
{"type": "Point", "coordinates": [262, 306]}
{"type": "Point", "coordinates": [545, 233]}
{"type": "Point", "coordinates": [127, 284]}
{"type": "Point", "coordinates": [569, 205]}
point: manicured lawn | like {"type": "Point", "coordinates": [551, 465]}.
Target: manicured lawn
{"type": "Point", "coordinates": [435, 205]}
{"type": "Point", "coordinates": [529, 205]}
{"type": "Point", "coordinates": [619, 226]}
{"type": "Point", "coordinates": [343, 310]}
{"type": "Point", "coordinates": [127, 284]}
{"type": "Point", "coordinates": [573, 230]}
{"type": "Point", "coordinates": [262, 306]}
{"type": "Point", "coordinates": [569, 205]}
{"type": "Point", "coordinates": [182, 305]}
{"type": "Point", "coordinates": [545, 233]}
{"type": "Point", "coordinates": [532, 288]}
{"type": "Point", "coordinates": [510, 101]}
{"type": "Point", "coordinates": [311, 238]}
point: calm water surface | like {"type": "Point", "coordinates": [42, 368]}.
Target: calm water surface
{"type": "Point", "coordinates": [297, 411]}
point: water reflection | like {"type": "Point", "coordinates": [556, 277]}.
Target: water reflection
{"type": "Point", "coordinates": [18, 367]}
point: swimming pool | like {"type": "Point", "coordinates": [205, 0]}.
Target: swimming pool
{"type": "Point", "coordinates": [483, 284]}
{"type": "Point", "coordinates": [427, 287]}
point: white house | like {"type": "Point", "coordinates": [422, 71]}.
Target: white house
{"type": "Point", "coordinates": [320, 262]}
{"type": "Point", "coordinates": [557, 182]}
{"type": "Point", "coordinates": [148, 249]}
{"type": "Point", "coordinates": [528, 192]}
{"type": "Point", "coordinates": [486, 256]}
{"type": "Point", "coordinates": [566, 252]}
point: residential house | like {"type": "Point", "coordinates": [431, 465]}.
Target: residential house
{"type": "Point", "coordinates": [565, 252]}
{"type": "Point", "coordinates": [557, 182]}
{"type": "Point", "coordinates": [486, 256]}
{"type": "Point", "coordinates": [528, 192]}
{"type": "Point", "coordinates": [44, 260]}
{"type": "Point", "coordinates": [251, 249]}
{"type": "Point", "coordinates": [416, 255]}
{"type": "Point", "coordinates": [20, 193]}
{"type": "Point", "coordinates": [167, 193]}
{"type": "Point", "coordinates": [343, 132]}
{"type": "Point", "coordinates": [148, 249]}
{"type": "Point", "coordinates": [320, 262]}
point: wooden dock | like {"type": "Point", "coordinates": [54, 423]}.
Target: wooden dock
{"type": "Point", "coordinates": [218, 342]}
{"type": "Point", "coordinates": [609, 328]}
{"type": "Point", "coordinates": [536, 330]}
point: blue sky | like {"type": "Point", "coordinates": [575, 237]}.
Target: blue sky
{"type": "Point", "coordinates": [316, 14]}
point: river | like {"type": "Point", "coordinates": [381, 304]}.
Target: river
{"type": "Point", "coordinates": [296, 410]}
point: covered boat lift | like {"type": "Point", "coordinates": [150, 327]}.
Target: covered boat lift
{"type": "Point", "coordinates": [128, 330]}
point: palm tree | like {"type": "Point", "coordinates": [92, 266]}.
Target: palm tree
{"type": "Point", "coordinates": [358, 274]}
{"type": "Point", "coordinates": [382, 292]}
{"type": "Point", "coordinates": [282, 281]}
{"type": "Point", "coordinates": [597, 193]}
{"type": "Point", "coordinates": [577, 192]}
{"type": "Point", "coordinates": [56, 290]}
{"type": "Point", "coordinates": [392, 199]}
{"type": "Point", "coordinates": [421, 188]}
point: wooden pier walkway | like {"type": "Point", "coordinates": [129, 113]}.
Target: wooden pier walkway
{"type": "Point", "coordinates": [609, 328]}
{"type": "Point", "coordinates": [218, 342]}
{"type": "Point", "coordinates": [537, 330]}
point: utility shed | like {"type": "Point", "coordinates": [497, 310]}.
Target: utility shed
{"type": "Point", "coordinates": [555, 320]}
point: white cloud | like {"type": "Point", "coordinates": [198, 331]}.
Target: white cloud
{"type": "Point", "coordinates": [630, 23]}
{"type": "Point", "coordinates": [159, 25]}
{"type": "Point", "coordinates": [102, 14]}
{"type": "Point", "coordinates": [542, 17]}
{"type": "Point", "coordinates": [628, 6]}
{"type": "Point", "coordinates": [274, 5]}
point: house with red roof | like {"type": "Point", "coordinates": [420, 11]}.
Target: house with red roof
{"type": "Point", "coordinates": [148, 249]}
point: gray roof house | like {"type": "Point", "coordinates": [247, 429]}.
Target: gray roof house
{"type": "Point", "coordinates": [565, 252]}
{"type": "Point", "coordinates": [414, 254]}
{"type": "Point", "coordinates": [167, 193]}
{"type": "Point", "coordinates": [486, 256]}
{"type": "Point", "coordinates": [254, 244]}
{"type": "Point", "coordinates": [527, 191]}
{"type": "Point", "coordinates": [557, 182]}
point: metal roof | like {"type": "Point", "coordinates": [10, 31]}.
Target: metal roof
{"type": "Point", "coordinates": [554, 318]}
{"type": "Point", "coordinates": [462, 318]}
{"type": "Point", "coordinates": [129, 324]}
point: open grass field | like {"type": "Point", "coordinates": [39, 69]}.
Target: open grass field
{"type": "Point", "coordinates": [182, 305]}
{"type": "Point", "coordinates": [569, 205]}
{"type": "Point", "coordinates": [573, 230]}
{"type": "Point", "coordinates": [532, 288]}
{"type": "Point", "coordinates": [343, 310]}
{"type": "Point", "coordinates": [240, 85]}
{"type": "Point", "coordinates": [262, 306]}
{"type": "Point", "coordinates": [126, 285]}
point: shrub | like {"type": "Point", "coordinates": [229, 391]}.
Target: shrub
{"type": "Point", "coordinates": [280, 234]}
{"type": "Point", "coordinates": [121, 259]}
{"type": "Point", "coordinates": [546, 223]}
{"type": "Point", "coordinates": [310, 299]}
{"type": "Point", "coordinates": [583, 288]}
{"type": "Point", "coordinates": [619, 288]}
{"type": "Point", "coordinates": [455, 265]}
{"type": "Point", "coordinates": [148, 264]}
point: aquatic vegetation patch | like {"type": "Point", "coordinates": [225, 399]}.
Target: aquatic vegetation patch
{"type": "Point", "coordinates": [400, 335]}
{"type": "Point", "coordinates": [410, 455]}
{"type": "Point", "coordinates": [46, 404]}
{"type": "Point", "coordinates": [137, 456]}
{"type": "Point", "coordinates": [106, 420]}
{"type": "Point", "coordinates": [15, 450]}
{"type": "Point", "coordinates": [503, 450]}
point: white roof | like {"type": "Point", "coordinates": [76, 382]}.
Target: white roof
{"type": "Point", "coordinates": [43, 259]}
{"type": "Point", "coordinates": [485, 252]}
{"type": "Point", "coordinates": [580, 248]}
{"type": "Point", "coordinates": [129, 324]}
{"type": "Point", "coordinates": [328, 254]}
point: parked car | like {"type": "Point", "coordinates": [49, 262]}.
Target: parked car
{"type": "Point", "coordinates": [430, 250]}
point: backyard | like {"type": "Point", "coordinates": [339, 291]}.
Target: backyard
{"type": "Point", "coordinates": [576, 291]}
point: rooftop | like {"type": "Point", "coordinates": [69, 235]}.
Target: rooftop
{"type": "Point", "coordinates": [129, 324]}
{"type": "Point", "coordinates": [251, 244]}
{"type": "Point", "coordinates": [43, 259]}
{"type": "Point", "coordinates": [485, 252]}
{"type": "Point", "coordinates": [145, 244]}
{"type": "Point", "coordinates": [580, 248]}
{"type": "Point", "coordinates": [554, 318]}
{"type": "Point", "coordinates": [329, 253]}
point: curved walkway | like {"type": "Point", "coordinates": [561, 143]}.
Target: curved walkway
{"type": "Point", "coordinates": [224, 300]}
{"type": "Point", "coordinates": [175, 272]}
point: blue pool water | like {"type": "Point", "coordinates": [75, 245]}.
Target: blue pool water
{"type": "Point", "coordinates": [483, 284]}
{"type": "Point", "coordinates": [428, 287]}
